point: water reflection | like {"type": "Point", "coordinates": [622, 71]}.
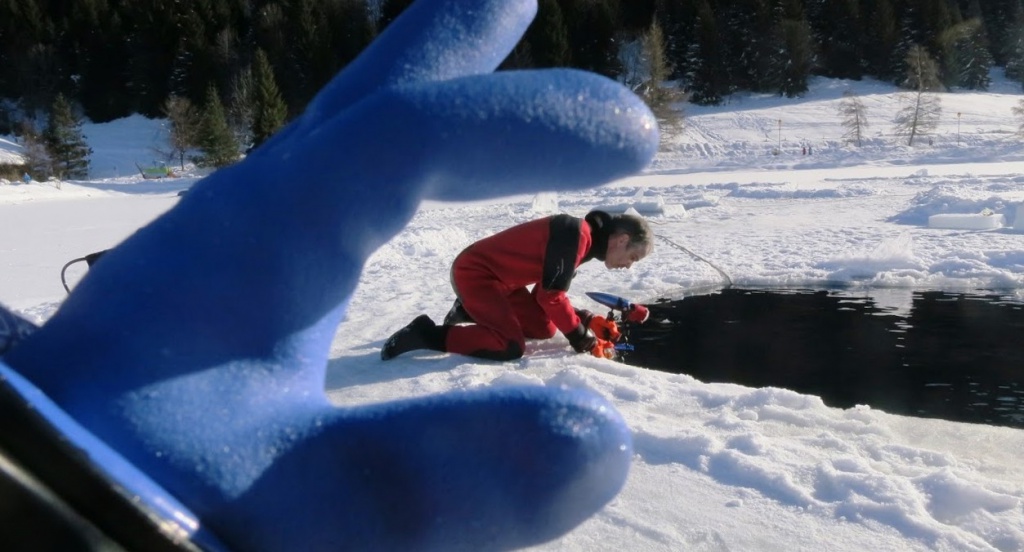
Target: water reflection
{"type": "Point", "coordinates": [955, 356]}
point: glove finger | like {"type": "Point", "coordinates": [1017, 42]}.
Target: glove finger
{"type": "Point", "coordinates": [392, 472]}
{"type": "Point", "coordinates": [432, 40]}
{"type": "Point", "coordinates": [486, 136]}
{"type": "Point", "coordinates": [298, 475]}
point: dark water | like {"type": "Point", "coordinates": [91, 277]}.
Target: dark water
{"type": "Point", "coordinates": [949, 355]}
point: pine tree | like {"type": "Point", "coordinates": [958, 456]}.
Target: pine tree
{"type": "Point", "coordinates": [592, 28]}
{"type": "Point", "coordinates": [659, 97]}
{"type": "Point", "coordinates": [154, 43]}
{"type": "Point", "coordinates": [189, 76]}
{"type": "Point", "coordinates": [271, 34]}
{"type": "Point", "coordinates": [65, 142]}
{"type": "Point", "coordinates": [352, 31]}
{"type": "Point", "coordinates": [40, 73]}
{"type": "Point", "coordinates": [548, 37]}
{"type": "Point", "coordinates": [675, 18]}
{"type": "Point", "coordinates": [636, 15]}
{"type": "Point", "coordinates": [837, 30]}
{"type": "Point", "coordinates": [926, 21]}
{"type": "Point", "coordinates": [919, 117]}
{"type": "Point", "coordinates": [750, 45]}
{"type": "Point", "coordinates": [97, 41]}
{"type": "Point", "coordinates": [270, 110]}
{"type": "Point", "coordinates": [7, 119]}
{"type": "Point", "coordinates": [304, 73]}
{"type": "Point", "coordinates": [216, 142]}
{"type": "Point", "coordinates": [967, 57]}
{"type": "Point", "coordinates": [30, 68]}
{"type": "Point", "coordinates": [241, 109]}
{"type": "Point", "coordinates": [797, 55]}
{"type": "Point", "coordinates": [923, 110]}
{"type": "Point", "coordinates": [324, 37]}
{"type": "Point", "coordinates": [704, 59]}
{"type": "Point", "coordinates": [183, 127]}
{"type": "Point", "coordinates": [882, 37]}
{"type": "Point", "coordinates": [1003, 22]}
{"type": "Point", "coordinates": [854, 117]}
{"type": "Point", "coordinates": [1015, 53]}
{"type": "Point", "coordinates": [38, 163]}
{"type": "Point", "coordinates": [922, 72]}
{"type": "Point", "coordinates": [1018, 111]}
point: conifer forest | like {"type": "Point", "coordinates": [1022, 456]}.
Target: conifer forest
{"type": "Point", "coordinates": [113, 58]}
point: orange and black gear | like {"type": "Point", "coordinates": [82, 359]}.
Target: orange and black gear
{"type": "Point", "coordinates": [604, 328]}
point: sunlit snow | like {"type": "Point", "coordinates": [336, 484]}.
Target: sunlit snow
{"type": "Point", "coordinates": [761, 191]}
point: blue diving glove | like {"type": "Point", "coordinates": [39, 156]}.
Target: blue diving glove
{"type": "Point", "coordinates": [13, 329]}
{"type": "Point", "coordinates": [197, 348]}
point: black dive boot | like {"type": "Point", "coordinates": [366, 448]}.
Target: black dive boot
{"type": "Point", "coordinates": [421, 333]}
{"type": "Point", "coordinates": [457, 315]}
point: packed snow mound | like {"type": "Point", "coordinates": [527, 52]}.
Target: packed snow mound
{"type": "Point", "coordinates": [962, 205]}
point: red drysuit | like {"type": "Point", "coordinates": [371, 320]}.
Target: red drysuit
{"type": "Point", "coordinates": [491, 278]}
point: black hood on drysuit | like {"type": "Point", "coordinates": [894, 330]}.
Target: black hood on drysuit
{"type": "Point", "coordinates": [600, 230]}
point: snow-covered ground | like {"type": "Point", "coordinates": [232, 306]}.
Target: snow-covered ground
{"type": "Point", "coordinates": [717, 466]}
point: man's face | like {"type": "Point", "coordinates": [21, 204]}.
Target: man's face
{"type": "Point", "coordinates": [621, 255]}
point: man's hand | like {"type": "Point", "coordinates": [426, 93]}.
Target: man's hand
{"type": "Point", "coordinates": [601, 326]}
{"type": "Point", "coordinates": [603, 349]}
{"type": "Point", "coordinates": [582, 339]}
{"type": "Point", "coordinates": [638, 314]}
{"type": "Point", "coordinates": [604, 329]}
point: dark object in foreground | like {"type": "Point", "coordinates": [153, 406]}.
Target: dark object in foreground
{"type": "Point", "coordinates": [53, 498]}
{"type": "Point", "coordinates": [89, 260]}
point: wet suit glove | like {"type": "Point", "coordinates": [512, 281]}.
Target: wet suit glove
{"type": "Point", "coordinates": [603, 349]}
{"type": "Point", "coordinates": [601, 326]}
{"type": "Point", "coordinates": [638, 314]}
{"type": "Point", "coordinates": [583, 340]}
{"type": "Point", "coordinates": [604, 329]}
{"type": "Point", "coordinates": [197, 348]}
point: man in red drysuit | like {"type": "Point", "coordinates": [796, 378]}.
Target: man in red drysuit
{"type": "Point", "coordinates": [491, 279]}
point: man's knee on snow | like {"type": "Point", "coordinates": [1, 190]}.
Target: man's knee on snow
{"type": "Point", "coordinates": [549, 331]}
{"type": "Point", "coordinates": [545, 330]}
{"type": "Point", "coordinates": [512, 351]}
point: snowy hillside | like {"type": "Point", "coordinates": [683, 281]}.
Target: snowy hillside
{"type": "Point", "coordinates": [749, 128]}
